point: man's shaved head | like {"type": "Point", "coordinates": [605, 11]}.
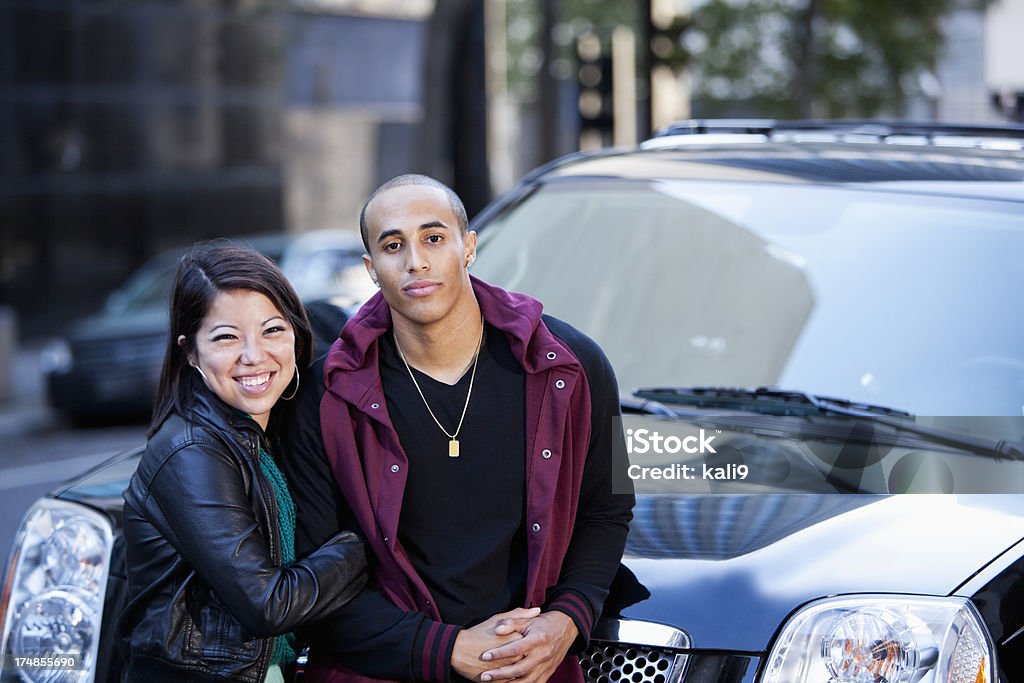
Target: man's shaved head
{"type": "Point", "coordinates": [415, 179]}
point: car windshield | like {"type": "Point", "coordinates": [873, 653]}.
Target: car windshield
{"type": "Point", "coordinates": [146, 291]}
{"type": "Point", "coordinates": [878, 296]}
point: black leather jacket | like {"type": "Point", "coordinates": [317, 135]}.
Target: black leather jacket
{"type": "Point", "coordinates": [206, 591]}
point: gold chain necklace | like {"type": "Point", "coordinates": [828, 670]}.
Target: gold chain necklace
{"type": "Point", "coordinates": [453, 443]}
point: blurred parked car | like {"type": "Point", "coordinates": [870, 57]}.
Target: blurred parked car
{"type": "Point", "coordinates": [108, 364]}
{"type": "Point", "coordinates": [328, 265]}
{"type": "Point", "coordinates": [829, 310]}
{"type": "Point", "coordinates": [326, 268]}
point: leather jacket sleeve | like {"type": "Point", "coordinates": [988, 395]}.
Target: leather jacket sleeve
{"type": "Point", "coordinates": [199, 500]}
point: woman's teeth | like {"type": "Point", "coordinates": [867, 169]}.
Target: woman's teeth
{"type": "Point", "coordinates": [255, 381]}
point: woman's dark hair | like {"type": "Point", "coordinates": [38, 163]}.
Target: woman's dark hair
{"type": "Point", "coordinates": [202, 274]}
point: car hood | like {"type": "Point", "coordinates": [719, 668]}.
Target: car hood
{"type": "Point", "coordinates": [728, 570]}
{"type": "Point", "coordinates": [101, 486]}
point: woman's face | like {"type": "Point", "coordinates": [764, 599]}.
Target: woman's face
{"type": "Point", "coordinates": [246, 350]}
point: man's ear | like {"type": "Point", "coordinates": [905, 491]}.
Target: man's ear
{"type": "Point", "coordinates": [469, 247]}
{"type": "Point", "coordinates": [368, 262]}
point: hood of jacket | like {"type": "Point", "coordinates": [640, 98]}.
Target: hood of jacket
{"type": "Point", "coordinates": [355, 352]}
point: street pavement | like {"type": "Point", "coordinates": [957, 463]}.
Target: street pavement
{"type": "Point", "coordinates": [26, 411]}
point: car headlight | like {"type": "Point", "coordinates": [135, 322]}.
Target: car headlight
{"type": "Point", "coordinates": [883, 639]}
{"type": "Point", "coordinates": [53, 595]}
{"type": "Point", "coordinates": [56, 357]}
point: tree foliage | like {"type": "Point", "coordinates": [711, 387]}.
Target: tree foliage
{"type": "Point", "coordinates": [773, 58]}
{"type": "Point", "coordinates": [803, 58]}
{"type": "Point", "coordinates": [574, 19]}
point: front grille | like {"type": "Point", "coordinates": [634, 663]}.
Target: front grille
{"type": "Point", "coordinates": [617, 663]}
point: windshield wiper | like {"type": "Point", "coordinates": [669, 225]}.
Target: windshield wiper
{"type": "Point", "coordinates": [788, 402]}
{"type": "Point", "coordinates": [764, 400]}
{"type": "Point", "coordinates": [633, 406]}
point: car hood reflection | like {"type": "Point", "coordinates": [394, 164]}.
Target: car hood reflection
{"type": "Point", "coordinates": [729, 569]}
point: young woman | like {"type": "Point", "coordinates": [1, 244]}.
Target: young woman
{"type": "Point", "coordinates": [214, 585]}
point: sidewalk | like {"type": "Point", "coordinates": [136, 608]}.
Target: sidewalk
{"type": "Point", "coordinates": [27, 410]}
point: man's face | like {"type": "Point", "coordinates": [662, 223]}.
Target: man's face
{"type": "Point", "coordinates": [418, 255]}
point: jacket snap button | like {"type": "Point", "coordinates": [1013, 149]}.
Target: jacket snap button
{"type": "Point", "coordinates": [375, 405]}
{"type": "Point", "coordinates": [545, 454]}
{"type": "Point", "coordinates": [536, 528]}
{"type": "Point", "coordinates": [560, 384]}
{"type": "Point", "coordinates": [395, 468]}
{"type": "Point", "coordinates": [552, 355]}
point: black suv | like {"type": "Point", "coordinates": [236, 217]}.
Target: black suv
{"type": "Point", "coordinates": [817, 333]}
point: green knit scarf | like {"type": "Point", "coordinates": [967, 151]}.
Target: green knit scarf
{"type": "Point", "coordinates": [284, 651]}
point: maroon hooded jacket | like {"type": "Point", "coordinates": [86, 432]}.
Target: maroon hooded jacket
{"type": "Point", "coordinates": [370, 466]}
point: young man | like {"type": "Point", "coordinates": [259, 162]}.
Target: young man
{"type": "Point", "coordinates": [469, 438]}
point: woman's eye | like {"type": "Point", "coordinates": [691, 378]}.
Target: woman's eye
{"type": "Point", "coordinates": [274, 329]}
{"type": "Point", "coordinates": [223, 337]}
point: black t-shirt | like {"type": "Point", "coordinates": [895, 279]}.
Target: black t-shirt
{"type": "Point", "coordinates": [462, 521]}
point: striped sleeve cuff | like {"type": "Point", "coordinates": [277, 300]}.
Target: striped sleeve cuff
{"type": "Point", "coordinates": [432, 652]}
{"type": "Point", "coordinates": [576, 607]}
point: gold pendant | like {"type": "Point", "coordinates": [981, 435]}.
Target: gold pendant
{"type": "Point", "coordinates": [453, 448]}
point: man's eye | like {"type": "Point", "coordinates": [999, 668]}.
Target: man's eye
{"type": "Point", "coordinates": [392, 246]}
{"type": "Point", "coordinates": [435, 238]}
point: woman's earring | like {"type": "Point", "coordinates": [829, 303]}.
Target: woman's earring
{"type": "Point", "coordinates": [201, 373]}
{"type": "Point", "coordinates": [288, 398]}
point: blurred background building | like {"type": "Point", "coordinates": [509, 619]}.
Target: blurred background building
{"type": "Point", "coordinates": [130, 126]}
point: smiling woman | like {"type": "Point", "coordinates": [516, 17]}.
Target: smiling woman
{"type": "Point", "coordinates": [214, 585]}
{"type": "Point", "coordinates": [234, 314]}
{"type": "Point", "coordinates": [247, 348]}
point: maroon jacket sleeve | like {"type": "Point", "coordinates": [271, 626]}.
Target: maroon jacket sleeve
{"type": "Point", "coordinates": [602, 519]}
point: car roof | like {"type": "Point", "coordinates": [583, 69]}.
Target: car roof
{"type": "Point", "coordinates": [804, 162]}
{"type": "Point", "coordinates": [979, 162]}
{"type": "Point", "coordinates": [1007, 137]}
